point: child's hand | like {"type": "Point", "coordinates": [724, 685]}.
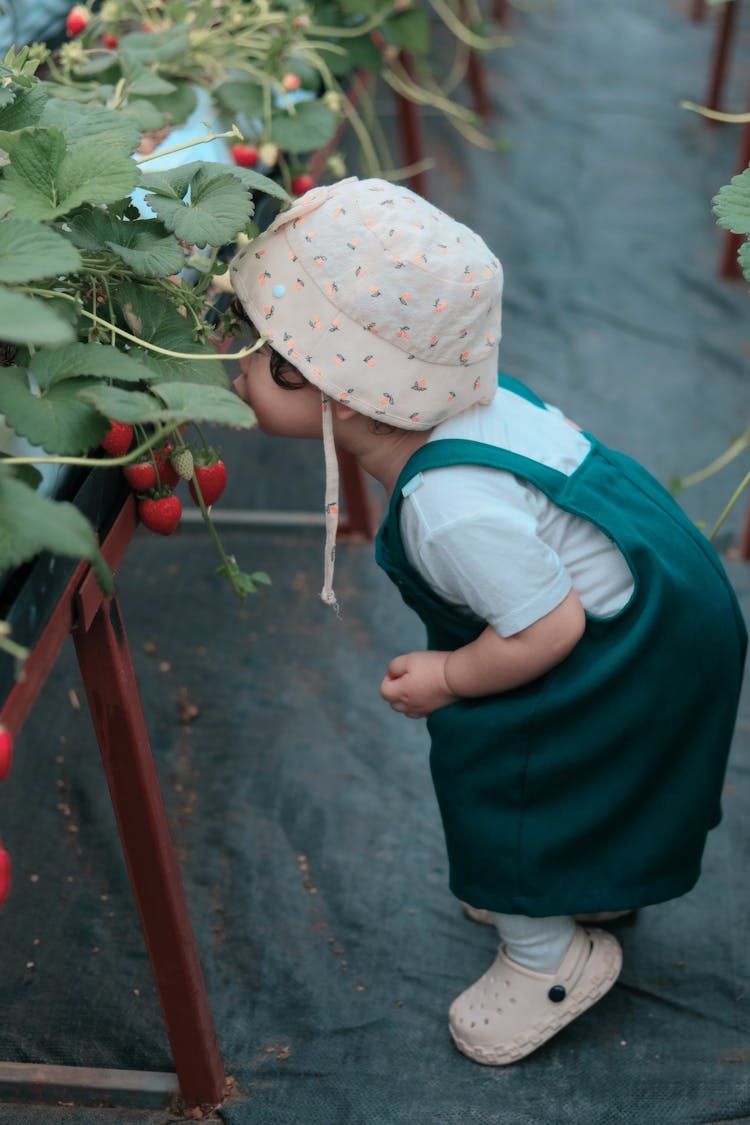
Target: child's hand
{"type": "Point", "coordinates": [415, 685]}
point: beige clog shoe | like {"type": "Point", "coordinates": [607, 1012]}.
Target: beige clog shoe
{"type": "Point", "coordinates": [511, 1010]}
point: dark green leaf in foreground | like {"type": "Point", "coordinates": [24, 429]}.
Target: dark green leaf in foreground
{"type": "Point", "coordinates": [56, 420]}
{"type": "Point", "coordinates": [30, 523]}
{"type": "Point", "coordinates": [181, 402]}
{"type": "Point", "coordinates": [53, 365]}
{"type": "Point", "coordinates": [30, 251]}
{"type": "Point", "coordinates": [30, 320]}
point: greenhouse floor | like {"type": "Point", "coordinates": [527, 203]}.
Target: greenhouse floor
{"type": "Point", "coordinates": [301, 806]}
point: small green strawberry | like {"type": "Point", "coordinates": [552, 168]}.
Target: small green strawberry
{"type": "Point", "coordinates": [181, 460]}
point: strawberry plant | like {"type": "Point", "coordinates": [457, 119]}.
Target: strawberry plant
{"type": "Point", "coordinates": [99, 338]}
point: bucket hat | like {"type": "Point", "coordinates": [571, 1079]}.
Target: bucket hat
{"type": "Point", "coordinates": [380, 299]}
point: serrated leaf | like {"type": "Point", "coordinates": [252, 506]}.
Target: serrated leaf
{"type": "Point", "coordinates": [47, 181]}
{"type": "Point", "coordinates": [91, 123]}
{"type": "Point", "coordinates": [145, 115]}
{"type": "Point", "coordinates": [732, 205]}
{"type": "Point", "coordinates": [29, 251]}
{"type": "Point", "coordinates": [168, 369]}
{"type": "Point", "coordinates": [173, 183]}
{"type": "Point", "coordinates": [121, 405]}
{"type": "Point", "coordinates": [157, 321]}
{"type": "Point", "coordinates": [30, 523]}
{"type": "Point", "coordinates": [145, 245]}
{"type": "Point", "coordinates": [309, 128]}
{"type": "Point", "coordinates": [744, 260]}
{"type": "Point", "coordinates": [25, 110]}
{"type": "Point", "coordinates": [6, 205]}
{"type": "Point", "coordinates": [30, 320]}
{"type": "Point", "coordinates": [57, 420]}
{"type": "Point", "coordinates": [52, 365]}
{"type": "Point", "coordinates": [219, 207]}
{"type": "Point", "coordinates": [182, 402]}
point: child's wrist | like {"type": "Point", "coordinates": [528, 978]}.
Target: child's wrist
{"type": "Point", "coordinates": [446, 677]}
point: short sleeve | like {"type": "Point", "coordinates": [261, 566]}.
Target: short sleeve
{"type": "Point", "coordinates": [489, 560]}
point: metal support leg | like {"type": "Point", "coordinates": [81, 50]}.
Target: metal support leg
{"type": "Point", "coordinates": [718, 72]}
{"type": "Point", "coordinates": [728, 265]}
{"type": "Point", "coordinates": [117, 714]}
{"type": "Point", "coordinates": [410, 129]}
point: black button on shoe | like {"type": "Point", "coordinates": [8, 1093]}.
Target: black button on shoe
{"type": "Point", "coordinates": [556, 993]}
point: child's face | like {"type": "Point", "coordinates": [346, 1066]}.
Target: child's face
{"type": "Point", "coordinates": [279, 411]}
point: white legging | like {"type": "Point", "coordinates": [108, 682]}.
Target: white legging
{"type": "Point", "coordinates": [536, 943]}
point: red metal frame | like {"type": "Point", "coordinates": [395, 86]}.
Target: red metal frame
{"type": "Point", "coordinates": [114, 701]}
{"type": "Point", "coordinates": [725, 30]}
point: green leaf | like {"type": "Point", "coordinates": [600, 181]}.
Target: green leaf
{"type": "Point", "coordinates": [6, 205]}
{"type": "Point", "coordinates": [91, 123]}
{"type": "Point", "coordinates": [141, 47]}
{"type": "Point", "coordinates": [53, 365]}
{"type": "Point", "coordinates": [240, 97]}
{"type": "Point", "coordinates": [409, 29]}
{"type": "Point", "coordinates": [182, 402]}
{"type": "Point", "coordinates": [219, 207]}
{"type": "Point", "coordinates": [145, 115]}
{"type": "Point", "coordinates": [744, 259]}
{"type": "Point", "coordinates": [172, 108]}
{"type": "Point", "coordinates": [57, 420]}
{"type": "Point", "coordinates": [157, 320]}
{"type": "Point", "coordinates": [122, 405]}
{"type": "Point", "coordinates": [168, 369]}
{"type": "Point", "coordinates": [173, 183]}
{"type": "Point", "coordinates": [46, 181]}
{"type": "Point", "coordinates": [27, 473]}
{"type": "Point", "coordinates": [732, 205]}
{"type": "Point", "coordinates": [150, 84]}
{"type": "Point", "coordinates": [25, 110]}
{"type": "Point", "coordinates": [310, 127]}
{"type": "Point", "coordinates": [29, 251]}
{"type": "Point", "coordinates": [30, 523]}
{"type": "Point", "coordinates": [145, 245]}
{"type": "Point", "coordinates": [30, 320]}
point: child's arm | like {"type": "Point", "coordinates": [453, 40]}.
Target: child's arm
{"type": "Point", "coordinates": [418, 683]}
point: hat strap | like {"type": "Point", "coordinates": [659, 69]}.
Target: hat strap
{"type": "Point", "coordinates": [331, 504]}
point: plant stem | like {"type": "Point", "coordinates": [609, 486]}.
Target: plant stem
{"type": "Point", "coordinates": [233, 132]}
{"type": "Point", "coordinates": [733, 500]}
{"type": "Point", "coordinates": [96, 462]}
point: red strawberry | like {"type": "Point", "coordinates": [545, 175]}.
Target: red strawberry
{"type": "Point", "coordinates": [141, 476]}
{"type": "Point", "coordinates": [4, 876]}
{"type": "Point", "coordinates": [167, 474]}
{"type": "Point", "coordinates": [212, 480]}
{"type": "Point", "coordinates": [303, 183]}
{"type": "Point", "coordinates": [162, 514]}
{"type": "Point", "coordinates": [245, 155]}
{"type": "Point", "coordinates": [110, 41]}
{"type": "Point", "coordinates": [117, 440]}
{"type": "Point", "coordinates": [77, 20]}
{"type": "Point", "coordinates": [6, 752]}
{"type": "Point", "coordinates": [291, 82]}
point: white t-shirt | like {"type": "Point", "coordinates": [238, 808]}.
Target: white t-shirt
{"type": "Point", "coordinates": [489, 542]}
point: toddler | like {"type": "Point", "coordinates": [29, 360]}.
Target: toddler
{"type": "Point", "coordinates": [584, 646]}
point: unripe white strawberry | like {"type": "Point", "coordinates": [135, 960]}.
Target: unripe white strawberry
{"type": "Point", "coordinates": [268, 153]}
{"type": "Point", "coordinates": [181, 461]}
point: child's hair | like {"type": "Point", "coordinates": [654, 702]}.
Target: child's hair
{"type": "Point", "coordinates": [283, 373]}
{"type": "Point", "coordinates": [381, 300]}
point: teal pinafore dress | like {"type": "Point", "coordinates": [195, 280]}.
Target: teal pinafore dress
{"type": "Point", "coordinates": [593, 787]}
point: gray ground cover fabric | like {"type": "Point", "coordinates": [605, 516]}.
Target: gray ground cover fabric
{"type": "Point", "coordinates": [301, 807]}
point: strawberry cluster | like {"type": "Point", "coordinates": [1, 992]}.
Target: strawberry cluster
{"type": "Point", "coordinates": [155, 478]}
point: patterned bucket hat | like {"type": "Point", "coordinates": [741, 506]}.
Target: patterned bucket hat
{"type": "Point", "coordinates": [380, 299]}
{"type": "Point", "coordinates": [383, 301]}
